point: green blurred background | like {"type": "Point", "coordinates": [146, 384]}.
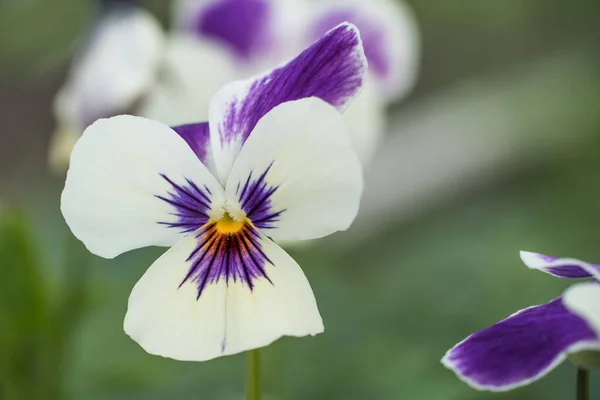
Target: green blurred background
{"type": "Point", "coordinates": [519, 81]}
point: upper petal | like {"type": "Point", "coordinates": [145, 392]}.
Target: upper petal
{"type": "Point", "coordinates": [332, 69]}
{"type": "Point", "coordinates": [216, 294]}
{"type": "Point", "coordinates": [584, 300]}
{"type": "Point", "coordinates": [520, 349]}
{"type": "Point", "coordinates": [297, 176]}
{"type": "Point", "coordinates": [134, 182]}
{"type": "Point", "coordinates": [560, 267]}
{"type": "Point", "coordinates": [390, 37]}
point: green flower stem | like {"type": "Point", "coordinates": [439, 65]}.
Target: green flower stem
{"type": "Point", "coordinates": [253, 377]}
{"type": "Point", "coordinates": [583, 384]}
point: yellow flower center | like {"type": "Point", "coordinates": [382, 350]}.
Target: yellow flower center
{"type": "Point", "coordinates": [228, 225]}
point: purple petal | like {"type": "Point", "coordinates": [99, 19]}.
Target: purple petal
{"type": "Point", "coordinates": [332, 69]}
{"type": "Point", "coordinates": [520, 349]}
{"type": "Point", "coordinates": [242, 25]}
{"type": "Point", "coordinates": [560, 267]}
{"type": "Point", "coordinates": [197, 136]}
{"type": "Point", "coordinates": [390, 37]}
{"type": "Point", "coordinates": [372, 33]}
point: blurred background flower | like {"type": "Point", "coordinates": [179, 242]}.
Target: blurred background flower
{"type": "Point", "coordinates": [116, 65]}
{"type": "Point", "coordinates": [496, 149]}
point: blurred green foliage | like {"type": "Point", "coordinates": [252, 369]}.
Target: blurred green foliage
{"type": "Point", "coordinates": [36, 320]}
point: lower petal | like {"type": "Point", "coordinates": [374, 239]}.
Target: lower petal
{"type": "Point", "coordinates": [520, 349]}
{"type": "Point", "coordinates": [203, 300]}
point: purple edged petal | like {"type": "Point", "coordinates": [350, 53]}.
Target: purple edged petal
{"type": "Point", "coordinates": [373, 35]}
{"type": "Point", "coordinates": [560, 267]}
{"type": "Point", "coordinates": [520, 349]}
{"type": "Point", "coordinates": [332, 69]}
{"type": "Point", "coordinates": [243, 25]}
{"type": "Point", "coordinates": [390, 38]}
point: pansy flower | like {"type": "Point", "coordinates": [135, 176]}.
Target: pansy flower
{"type": "Point", "coordinates": [115, 68]}
{"type": "Point", "coordinates": [529, 344]}
{"type": "Point", "coordinates": [273, 162]}
{"type": "Point", "coordinates": [241, 36]}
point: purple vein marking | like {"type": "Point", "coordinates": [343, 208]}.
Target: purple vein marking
{"type": "Point", "coordinates": [191, 204]}
{"type": "Point", "coordinates": [234, 256]}
{"type": "Point", "coordinates": [255, 199]}
{"type": "Point", "coordinates": [332, 69]}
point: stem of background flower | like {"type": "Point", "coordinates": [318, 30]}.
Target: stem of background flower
{"type": "Point", "coordinates": [253, 377]}
{"type": "Point", "coordinates": [583, 384]}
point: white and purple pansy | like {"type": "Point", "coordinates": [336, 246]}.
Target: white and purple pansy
{"type": "Point", "coordinates": [532, 342]}
{"type": "Point", "coordinates": [239, 36]}
{"type": "Point", "coordinates": [114, 69]}
{"type": "Point", "coordinates": [274, 162]}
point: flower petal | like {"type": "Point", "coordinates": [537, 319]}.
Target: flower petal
{"type": "Point", "coordinates": [134, 182]}
{"type": "Point", "coordinates": [520, 349]}
{"type": "Point", "coordinates": [192, 72]}
{"type": "Point", "coordinates": [560, 267]}
{"type": "Point", "coordinates": [584, 300]}
{"type": "Point", "coordinates": [366, 122]}
{"type": "Point", "coordinates": [243, 25]}
{"type": "Point", "coordinates": [118, 65]}
{"type": "Point", "coordinates": [390, 38]}
{"type": "Point", "coordinates": [187, 308]}
{"type": "Point", "coordinates": [332, 69]}
{"type": "Point", "coordinates": [197, 136]}
{"type": "Point", "coordinates": [297, 176]}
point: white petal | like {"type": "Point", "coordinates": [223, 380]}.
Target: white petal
{"type": "Point", "coordinates": [172, 321]}
{"type": "Point", "coordinates": [366, 121]}
{"type": "Point", "coordinates": [193, 71]}
{"type": "Point", "coordinates": [583, 299]}
{"type": "Point", "coordinates": [297, 176]}
{"type": "Point", "coordinates": [110, 198]}
{"type": "Point", "coordinates": [118, 65]}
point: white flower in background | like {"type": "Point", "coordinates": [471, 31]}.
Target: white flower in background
{"type": "Point", "coordinates": [235, 38]}
{"type": "Point", "coordinates": [273, 162]}
{"type": "Point", "coordinates": [115, 68]}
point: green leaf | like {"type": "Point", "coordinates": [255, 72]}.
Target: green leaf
{"type": "Point", "coordinates": [23, 306]}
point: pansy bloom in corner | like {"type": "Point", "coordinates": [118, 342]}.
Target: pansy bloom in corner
{"type": "Point", "coordinates": [274, 162]}
{"type": "Point", "coordinates": [532, 342]}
